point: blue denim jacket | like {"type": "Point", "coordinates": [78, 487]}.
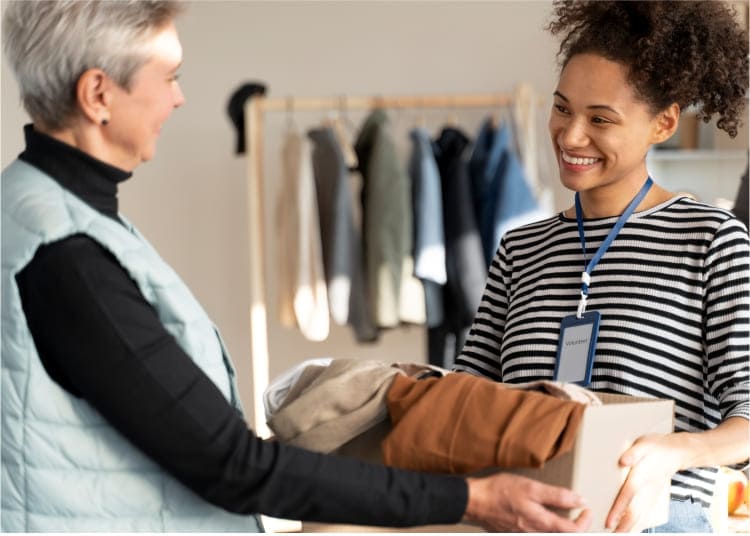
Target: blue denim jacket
{"type": "Point", "coordinates": [502, 195]}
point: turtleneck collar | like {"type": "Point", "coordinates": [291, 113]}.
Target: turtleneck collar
{"type": "Point", "coordinates": [93, 181]}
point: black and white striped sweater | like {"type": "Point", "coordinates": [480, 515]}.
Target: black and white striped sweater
{"type": "Point", "coordinates": [673, 291]}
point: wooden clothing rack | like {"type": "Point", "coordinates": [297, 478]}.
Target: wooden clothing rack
{"type": "Point", "coordinates": [254, 109]}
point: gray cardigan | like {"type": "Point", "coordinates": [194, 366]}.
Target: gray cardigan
{"type": "Point", "coordinates": [342, 245]}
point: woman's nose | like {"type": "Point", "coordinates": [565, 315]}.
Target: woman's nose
{"type": "Point", "coordinates": [573, 134]}
{"type": "Point", "coordinates": [179, 97]}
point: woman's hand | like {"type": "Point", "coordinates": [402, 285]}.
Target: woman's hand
{"type": "Point", "coordinates": [652, 460]}
{"type": "Point", "coordinates": [512, 503]}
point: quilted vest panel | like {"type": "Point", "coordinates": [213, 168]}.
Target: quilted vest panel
{"type": "Point", "coordinates": [63, 467]}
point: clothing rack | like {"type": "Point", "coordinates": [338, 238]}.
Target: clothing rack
{"type": "Point", "coordinates": [255, 108]}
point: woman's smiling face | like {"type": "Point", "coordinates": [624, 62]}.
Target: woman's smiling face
{"type": "Point", "coordinates": [600, 130]}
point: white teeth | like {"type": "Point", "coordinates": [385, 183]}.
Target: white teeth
{"type": "Point", "coordinates": [578, 161]}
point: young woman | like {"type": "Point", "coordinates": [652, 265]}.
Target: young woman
{"type": "Point", "coordinates": [670, 288]}
{"type": "Point", "coordinates": [119, 409]}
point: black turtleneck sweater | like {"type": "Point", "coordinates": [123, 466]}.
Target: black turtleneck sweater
{"type": "Point", "coordinates": [102, 341]}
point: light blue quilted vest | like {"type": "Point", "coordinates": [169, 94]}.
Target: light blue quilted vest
{"type": "Point", "coordinates": [63, 467]}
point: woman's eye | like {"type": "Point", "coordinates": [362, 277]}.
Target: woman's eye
{"type": "Point", "coordinates": [560, 108]}
{"type": "Point", "coordinates": [599, 120]}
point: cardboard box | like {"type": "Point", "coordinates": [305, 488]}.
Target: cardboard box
{"type": "Point", "coordinates": [591, 468]}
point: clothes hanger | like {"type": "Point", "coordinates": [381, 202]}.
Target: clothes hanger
{"type": "Point", "coordinates": [344, 115]}
{"type": "Point", "coordinates": [496, 119]}
{"type": "Point", "coordinates": [291, 122]}
{"type": "Point", "coordinates": [420, 121]}
{"type": "Point", "coordinates": [452, 120]}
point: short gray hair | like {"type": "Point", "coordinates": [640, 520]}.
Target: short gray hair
{"type": "Point", "coordinates": [51, 43]}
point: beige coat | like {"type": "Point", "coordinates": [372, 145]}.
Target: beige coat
{"type": "Point", "coordinates": [302, 293]}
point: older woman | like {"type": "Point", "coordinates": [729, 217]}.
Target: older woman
{"type": "Point", "coordinates": [119, 406]}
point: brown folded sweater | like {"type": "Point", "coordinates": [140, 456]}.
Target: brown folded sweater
{"type": "Point", "coordinates": [462, 423]}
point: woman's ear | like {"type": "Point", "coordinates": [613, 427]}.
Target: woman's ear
{"type": "Point", "coordinates": [93, 92]}
{"type": "Point", "coordinates": [665, 123]}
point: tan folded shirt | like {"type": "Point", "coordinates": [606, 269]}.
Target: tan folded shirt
{"type": "Point", "coordinates": [462, 423]}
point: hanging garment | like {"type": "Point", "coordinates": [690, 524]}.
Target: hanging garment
{"type": "Point", "coordinates": [444, 344]}
{"type": "Point", "coordinates": [466, 271]}
{"type": "Point", "coordinates": [462, 423]}
{"type": "Point", "coordinates": [411, 304]}
{"type": "Point", "coordinates": [341, 243]}
{"type": "Point", "coordinates": [740, 208]}
{"type": "Point", "coordinates": [387, 225]}
{"type": "Point", "coordinates": [524, 119]}
{"type": "Point", "coordinates": [303, 298]}
{"type": "Point", "coordinates": [534, 146]}
{"type": "Point", "coordinates": [429, 240]}
{"type": "Point", "coordinates": [344, 141]}
{"type": "Point", "coordinates": [502, 197]}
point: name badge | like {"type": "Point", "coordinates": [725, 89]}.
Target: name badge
{"type": "Point", "coordinates": [576, 349]}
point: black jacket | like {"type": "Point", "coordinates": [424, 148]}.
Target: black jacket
{"type": "Point", "coordinates": [465, 267]}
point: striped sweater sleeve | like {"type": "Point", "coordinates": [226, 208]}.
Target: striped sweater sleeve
{"type": "Point", "coordinates": [727, 319]}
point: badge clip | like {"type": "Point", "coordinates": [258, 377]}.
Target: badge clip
{"type": "Point", "coordinates": [581, 305]}
{"type": "Point", "coordinates": [586, 280]}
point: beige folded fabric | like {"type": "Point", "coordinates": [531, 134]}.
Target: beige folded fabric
{"type": "Point", "coordinates": [329, 406]}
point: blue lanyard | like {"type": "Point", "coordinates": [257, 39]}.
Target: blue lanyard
{"type": "Point", "coordinates": [589, 267]}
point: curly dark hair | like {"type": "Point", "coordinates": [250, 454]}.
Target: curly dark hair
{"type": "Point", "coordinates": [691, 53]}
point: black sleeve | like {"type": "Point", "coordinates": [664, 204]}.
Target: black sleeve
{"type": "Point", "coordinates": [102, 341]}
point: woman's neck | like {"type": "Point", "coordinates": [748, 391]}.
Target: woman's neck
{"type": "Point", "coordinates": [87, 137]}
{"type": "Point", "coordinates": [608, 203]}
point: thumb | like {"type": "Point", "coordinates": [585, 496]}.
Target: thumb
{"type": "Point", "coordinates": [558, 497]}
{"type": "Point", "coordinates": [631, 456]}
